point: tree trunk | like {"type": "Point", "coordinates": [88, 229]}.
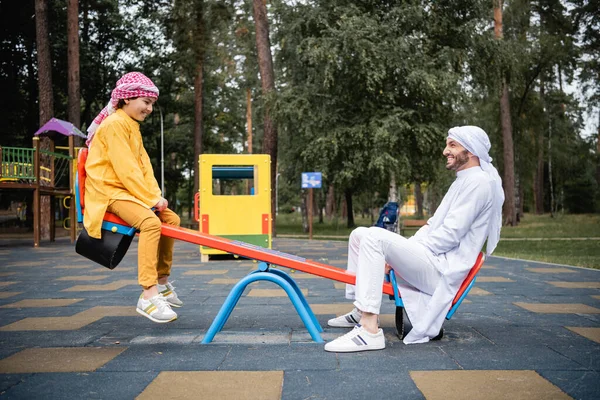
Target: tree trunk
{"type": "Point", "coordinates": [267, 77]}
{"type": "Point", "coordinates": [330, 203]}
{"type": "Point", "coordinates": [419, 200]}
{"type": "Point", "coordinates": [304, 211]}
{"type": "Point", "coordinates": [393, 189]}
{"type": "Point", "coordinates": [348, 196]}
{"type": "Point", "coordinates": [46, 105]}
{"type": "Point", "coordinates": [74, 101]}
{"type": "Point", "coordinates": [598, 153]}
{"type": "Point", "coordinates": [509, 210]}
{"type": "Point", "coordinates": [198, 90]}
{"type": "Point", "coordinates": [74, 96]}
{"type": "Point", "coordinates": [538, 193]}
{"type": "Point", "coordinates": [249, 118]}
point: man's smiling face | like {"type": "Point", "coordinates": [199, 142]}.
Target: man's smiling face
{"type": "Point", "coordinates": [456, 155]}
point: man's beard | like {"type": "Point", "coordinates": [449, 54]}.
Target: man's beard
{"type": "Point", "coordinates": [459, 160]}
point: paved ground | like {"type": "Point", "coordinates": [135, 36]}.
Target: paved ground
{"type": "Point", "coordinates": [68, 330]}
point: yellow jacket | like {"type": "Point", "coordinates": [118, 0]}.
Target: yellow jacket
{"type": "Point", "coordinates": [118, 168]}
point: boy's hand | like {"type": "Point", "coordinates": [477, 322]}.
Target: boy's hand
{"type": "Point", "coordinates": [388, 268]}
{"type": "Point", "coordinates": [161, 205]}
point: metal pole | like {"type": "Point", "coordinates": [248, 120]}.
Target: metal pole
{"type": "Point", "coordinates": [310, 213]}
{"type": "Point", "coordinates": [162, 153]}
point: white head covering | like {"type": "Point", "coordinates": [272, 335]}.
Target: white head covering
{"type": "Point", "coordinates": [477, 142]}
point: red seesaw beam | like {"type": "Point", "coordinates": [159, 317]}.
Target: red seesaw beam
{"type": "Point", "coordinates": [262, 254]}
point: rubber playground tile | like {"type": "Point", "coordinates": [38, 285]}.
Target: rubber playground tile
{"type": "Point", "coordinates": [578, 384]}
{"type": "Point", "coordinates": [24, 339]}
{"type": "Point", "coordinates": [496, 384]}
{"type": "Point", "coordinates": [74, 322]}
{"type": "Point", "coordinates": [72, 266]}
{"type": "Point", "coordinates": [79, 278]}
{"type": "Point", "coordinates": [62, 386]}
{"type": "Point", "coordinates": [207, 272]}
{"type": "Point", "coordinates": [278, 357]}
{"type": "Point", "coordinates": [223, 281]}
{"type": "Point", "coordinates": [476, 291]}
{"type": "Point", "coordinates": [556, 270]}
{"type": "Point", "coordinates": [334, 309]}
{"type": "Point", "coordinates": [118, 269]}
{"type": "Point", "coordinates": [559, 308]}
{"type": "Point", "coordinates": [42, 303]}
{"type": "Point", "coordinates": [349, 384]}
{"type": "Point", "coordinates": [225, 385]}
{"type": "Point", "coordinates": [482, 279]}
{"type": "Point", "coordinates": [116, 285]}
{"type": "Point", "coordinates": [590, 333]}
{"type": "Point", "coordinates": [576, 285]}
{"type": "Point", "coordinates": [58, 359]}
{"type": "Point", "coordinates": [6, 295]}
{"type": "Point", "coordinates": [28, 263]}
{"type": "Point", "coordinates": [306, 276]}
{"type": "Point", "coordinates": [272, 292]}
{"type": "Point", "coordinates": [535, 356]}
{"type": "Point", "coordinates": [170, 357]}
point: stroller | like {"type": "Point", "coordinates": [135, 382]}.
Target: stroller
{"type": "Point", "coordinates": [388, 216]}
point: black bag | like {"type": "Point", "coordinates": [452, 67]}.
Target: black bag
{"type": "Point", "coordinates": [107, 251]}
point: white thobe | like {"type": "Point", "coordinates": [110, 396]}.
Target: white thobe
{"type": "Point", "coordinates": [431, 265]}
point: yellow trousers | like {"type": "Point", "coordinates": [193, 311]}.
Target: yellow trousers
{"type": "Point", "coordinates": [155, 253]}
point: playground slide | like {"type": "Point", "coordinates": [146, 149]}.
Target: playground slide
{"type": "Point", "coordinates": [258, 253]}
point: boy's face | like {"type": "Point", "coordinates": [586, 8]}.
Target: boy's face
{"type": "Point", "coordinates": [139, 108]}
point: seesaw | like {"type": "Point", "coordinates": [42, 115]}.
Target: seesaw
{"type": "Point", "coordinates": [117, 235]}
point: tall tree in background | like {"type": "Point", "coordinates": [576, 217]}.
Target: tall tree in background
{"type": "Point", "coordinates": [46, 104]}
{"type": "Point", "coordinates": [199, 49]}
{"type": "Point", "coordinates": [509, 210]}
{"type": "Point", "coordinates": [74, 99]}
{"type": "Point", "coordinates": [267, 77]}
{"type": "Point", "coordinates": [74, 95]}
{"type": "Point", "coordinates": [44, 70]}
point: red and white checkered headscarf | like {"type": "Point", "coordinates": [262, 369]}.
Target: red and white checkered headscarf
{"type": "Point", "coordinates": [132, 84]}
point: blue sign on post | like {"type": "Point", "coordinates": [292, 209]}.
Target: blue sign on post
{"type": "Point", "coordinates": [311, 180]}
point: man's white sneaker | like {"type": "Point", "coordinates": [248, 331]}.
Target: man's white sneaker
{"type": "Point", "coordinates": [358, 339]}
{"type": "Point", "coordinates": [168, 292]}
{"type": "Point", "coordinates": [347, 320]}
{"type": "Point", "coordinates": [156, 309]}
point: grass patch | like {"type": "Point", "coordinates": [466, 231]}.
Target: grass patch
{"type": "Point", "coordinates": [582, 253]}
{"type": "Point", "coordinates": [561, 226]}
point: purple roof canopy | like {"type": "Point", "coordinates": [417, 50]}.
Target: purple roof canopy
{"type": "Point", "coordinates": [60, 126]}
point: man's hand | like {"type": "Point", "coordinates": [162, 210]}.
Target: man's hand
{"type": "Point", "coordinates": [161, 205]}
{"type": "Point", "coordinates": [388, 268]}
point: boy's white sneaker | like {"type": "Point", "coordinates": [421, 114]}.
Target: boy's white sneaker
{"type": "Point", "coordinates": [358, 339]}
{"type": "Point", "coordinates": [348, 320]}
{"type": "Point", "coordinates": [168, 292]}
{"type": "Point", "coordinates": [156, 309]}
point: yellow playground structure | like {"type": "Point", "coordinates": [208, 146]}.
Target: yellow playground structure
{"type": "Point", "coordinates": [234, 199]}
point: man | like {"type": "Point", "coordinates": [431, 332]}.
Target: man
{"type": "Point", "coordinates": [120, 180]}
{"type": "Point", "coordinates": [431, 265]}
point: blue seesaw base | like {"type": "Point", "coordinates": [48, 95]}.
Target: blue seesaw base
{"type": "Point", "coordinates": [286, 282]}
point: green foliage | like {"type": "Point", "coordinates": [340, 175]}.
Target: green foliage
{"type": "Point", "coordinates": [364, 88]}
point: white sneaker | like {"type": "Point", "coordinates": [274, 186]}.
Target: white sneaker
{"type": "Point", "coordinates": [347, 320]}
{"type": "Point", "coordinates": [168, 292]}
{"type": "Point", "coordinates": [156, 309]}
{"type": "Point", "coordinates": [358, 339]}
